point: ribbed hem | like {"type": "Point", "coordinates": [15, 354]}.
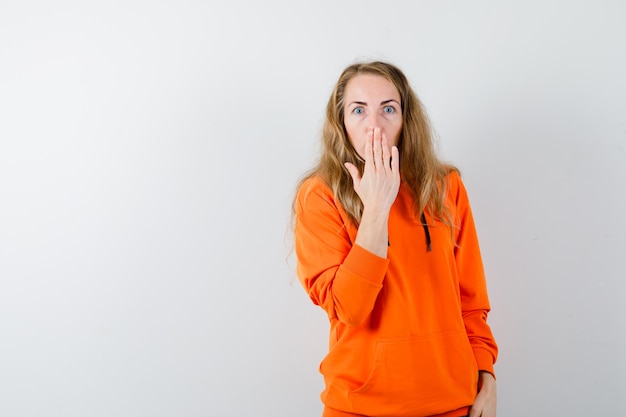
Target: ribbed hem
{"type": "Point", "coordinates": [331, 412]}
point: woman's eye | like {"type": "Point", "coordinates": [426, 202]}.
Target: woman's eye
{"type": "Point", "coordinates": [358, 110]}
{"type": "Point", "coordinates": [389, 109]}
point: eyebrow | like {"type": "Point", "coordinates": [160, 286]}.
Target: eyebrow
{"type": "Point", "coordinates": [362, 103]}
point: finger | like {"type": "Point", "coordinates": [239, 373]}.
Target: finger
{"type": "Point", "coordinates": [368, 149]}
{"type": "Point", "coordinates": [385, 153]}
{"type": "Point", "coordinates": [395, 160]}
{"type": "Point", "coordinates": [378, 152]}
{"type": "Point", "coordinates": [354, 173]}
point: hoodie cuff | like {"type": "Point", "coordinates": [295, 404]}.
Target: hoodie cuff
{"type": "Point", "coordinates": [364, 264]}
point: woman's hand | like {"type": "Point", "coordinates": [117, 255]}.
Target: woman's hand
{"type": "Point", "coordinates": [485, 403]}
{"type": "Point", "coordinates": [379, 185]}
{"type": "Point", "coordinates": [377, 188]}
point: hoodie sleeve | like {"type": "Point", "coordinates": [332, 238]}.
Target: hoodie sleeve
{"type": "Point", "coordinates": [342, 278]}
{"type": "Point", "coordinates": [472, 282]}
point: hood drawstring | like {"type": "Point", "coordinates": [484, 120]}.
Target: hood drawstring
{"type": "Point", "coordinates": [429, 245]}
{"type": "Point", "coordinates": [427, 232]}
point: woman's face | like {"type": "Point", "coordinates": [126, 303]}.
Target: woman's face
{"type": "Point", "coordinates": [371, 101]}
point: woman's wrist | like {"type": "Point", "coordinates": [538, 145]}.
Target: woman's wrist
{"type": "Point", "coordinates": [486, 380]}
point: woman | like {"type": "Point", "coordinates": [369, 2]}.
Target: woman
{"type": "Point", "coordinates": [386, 245]}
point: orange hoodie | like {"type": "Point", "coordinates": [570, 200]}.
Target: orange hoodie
{"type": "Point", "coordinates": [408, 334]}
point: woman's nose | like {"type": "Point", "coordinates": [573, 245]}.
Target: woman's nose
{"type": "Point", "coordinates": [374, 119]}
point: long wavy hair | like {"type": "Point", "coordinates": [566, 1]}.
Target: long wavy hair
{"type": "Point", "coordinates": [420, 168]}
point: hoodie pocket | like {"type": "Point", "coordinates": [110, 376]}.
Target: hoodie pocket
{"type": "Point", "coordinates": [419, 376]}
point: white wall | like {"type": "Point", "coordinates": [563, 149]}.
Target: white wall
{"type": "Point", "coordinates": [148, 153]}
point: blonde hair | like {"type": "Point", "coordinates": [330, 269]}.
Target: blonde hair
{"type": "Point", "coordinates": [420, 168]}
